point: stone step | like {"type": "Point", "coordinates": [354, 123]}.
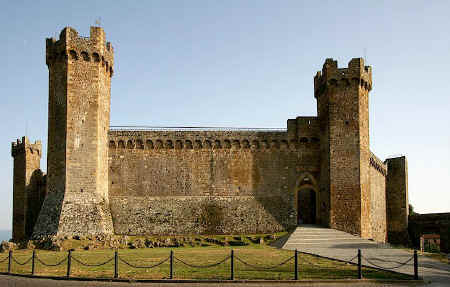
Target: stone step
{"type": "Point", "coordinates": [323, 234]}
{"type": "Point", "coordinates": [327, 239]}
{"type": "Point", "coordinates": [316, 232]}
{"type": "Point", "coordinates": [317, 236]}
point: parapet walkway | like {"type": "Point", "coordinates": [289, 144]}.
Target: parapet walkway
{"type": "Point", "coordinates": [340, 245]}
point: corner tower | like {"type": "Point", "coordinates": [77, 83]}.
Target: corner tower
{"type": "Point", "coordinates": [28, 191]}
{"type": "Point", "coordinates": [80, 71]}
{"type": "Point", "coordinates": [343, 110]}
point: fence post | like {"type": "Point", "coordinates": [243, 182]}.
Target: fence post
{"type": "Point", "coordinates": [232, 265]}
{"type": "Point", "coordinates": [416, 266]}
{"type": "Point", "coordinates": [171, 264]}
{"type": "Point", "coordinates": [69, 262]}
{"type": "Point", "coordinates": [32, 262]}
{"type": "Point", "coordinates": [359, 265]}
{"type": "Point", "coordinates": [116, 264]}
{"type": "Point", "coordinates": [9, 261]}
{"type": "Point", "coordinates": [296, 265]}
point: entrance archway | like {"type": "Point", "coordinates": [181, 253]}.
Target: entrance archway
{"type": "Point", "coordinates": [306, 212]}
{"type": "Point", "coordinates": [307, 199]}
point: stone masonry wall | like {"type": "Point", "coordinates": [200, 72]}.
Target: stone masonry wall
{"type": "Point", "coordinates": [378, 219]}
{"type": "Point", "coordinates": [397, 199]}
{"type": "Point", "coordinates": [167, 182]}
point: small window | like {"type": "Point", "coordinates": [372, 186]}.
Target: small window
{"type": "Point", "coordinates": [169, 144]}
{"type": "Point", "coordinates": [149, 144]}
{"type": "Point", "coordinates": [275, 144]}
{"type": "Point", "coordinates": [85, 56]}
{"type": "Point", "coordinates": [265, 144]}
{"type": "Point", "coordinates": [96, 57]}
{"type": "Point", "coordinates": [130, 144]}
{"type": "Point", "coordinates": [198, 144]}
{"type": "Point", "coordinates": [73, 55]}
{"type": "Point", "coordinates": [139, 144]}
{"type": "Point", "coordinates": [159, 144]}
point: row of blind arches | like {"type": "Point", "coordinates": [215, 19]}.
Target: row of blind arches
{"type": "Point", "coordinates": [215, 144]}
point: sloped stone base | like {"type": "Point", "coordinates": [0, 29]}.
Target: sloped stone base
{"type": "Point", "coordinates": [73, 214]}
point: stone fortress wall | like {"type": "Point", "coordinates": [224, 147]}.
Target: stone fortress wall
{"type": "Point", "coordinates": [165, 181]}
{"type": "Point", "coordinates": [243, 180]}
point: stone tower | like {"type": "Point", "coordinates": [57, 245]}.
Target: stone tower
{"type": "Point", "coordinates": [28, 192]}
{"type": "Point", "coordinates": [80, 71]}
{"type": "Point", "coordinates": [397, 208]}
{"type": "Point", "coordinates": [343, 111]}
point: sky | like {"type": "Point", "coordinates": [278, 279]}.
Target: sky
{"type": "Point", "coordinates": [243, 64]}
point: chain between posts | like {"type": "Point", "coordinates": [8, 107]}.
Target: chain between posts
{"type": "Point", "coordinates": [202, 266]}
{"type": "Point", "coordinates": [92, 265]}
{"type": "Point", "coordinates": [145, 267]}
{"type": "Point", "coordinates": [51, 265]}
{"type": "Point", "coordinates": [388, 268]}
{"type": "Point", "coordinates": [172, 258]}
{"type": "Point", "coordinates": [262, 267]}
{"type": "Point", "coordinates": [4, 259]}
{"type": "Point", "coordinates": [22, 263]}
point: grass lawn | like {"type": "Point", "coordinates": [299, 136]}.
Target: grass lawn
{"type": "Point", "coordinates": [310, 267]}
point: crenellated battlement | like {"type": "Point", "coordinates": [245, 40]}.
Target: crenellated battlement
{"type": "Point", "coordinates": [72, 47]}
{"type": "Point", "coordinates": [170, 140]}
{"type": "Point", "coordinates": [332, 76]}
{"type": "Point", "coordinates": [378, 164]}
{"type": "Point", "coordinates": [23, 145]}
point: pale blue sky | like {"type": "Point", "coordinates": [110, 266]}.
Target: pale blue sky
{"type": "Point", "coordinates": [244, 64]}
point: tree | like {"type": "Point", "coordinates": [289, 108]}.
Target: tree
{"type": "Point", "coordinates": [411, 210]}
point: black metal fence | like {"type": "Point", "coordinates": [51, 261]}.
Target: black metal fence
{"type": "Point", "coordinates": [232, 258]}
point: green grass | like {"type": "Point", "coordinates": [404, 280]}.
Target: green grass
{"type": "Point", "coordinates": [310, 267]}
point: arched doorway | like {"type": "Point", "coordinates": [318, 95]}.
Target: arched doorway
{"type": "Point", "coordinates": [306, 206]}
{"type": "Point", "coordinates": [307, 199]}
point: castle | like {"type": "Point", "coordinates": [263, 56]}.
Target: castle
{"type": "Point", "coordinates": [319, 170]}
